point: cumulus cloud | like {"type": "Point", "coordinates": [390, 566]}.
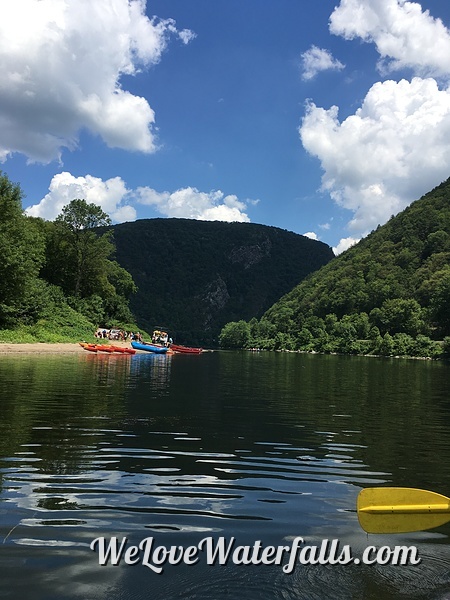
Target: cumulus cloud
{"type": "Point", "coordinates": [111, 195]}
{"type": "Point", "coordinates": [311, 235]}
{"type": "Point", "coordinates": [117, 200]}
{"type": "Point", "coordinates": [390, 152]}
{"type": "Point", "coordinates": [316, 60]}
{"type": "Point", "coordinates": [190, 203]}
{"type": "Point", "coordinates": [60, 66]}
{"type": "Point", "coordinates": [404, 34]}
{"type": "Point", "coordinates": [344, 244]}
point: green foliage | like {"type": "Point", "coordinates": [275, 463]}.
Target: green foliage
{"type": "Point", "coordinates": [22, 253]}
{"type": "Point", "coordinates": [57, 323]}
{"type": "Point", "coordinates": [61, 323]}
{"type": "Point", "coordinates": [235, 335]}
{"type": "Point", "coordinates": [195, 276]}
{"type": "Point", "coordinates": [57, 280]}
{"type": "Point", "coordinates": [399, 315]}
{"type": "Point", "coordinates": [80, 261]}
{"type": "Point", "coordinates": [446, 347]}
{"type": "Point", "coordinates": [387, 295]}
{"type": "Point", "coordinates": [17, 335]}
{"type": "Point", "coordinates": [77, 258]}
{"type": "Point", "coordinates": [440, 302]}
{"type": "Point", "coordinates": [80, 216]}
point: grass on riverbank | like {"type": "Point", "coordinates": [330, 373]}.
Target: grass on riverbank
{"type": "Point", "coordinates": [60, 325]}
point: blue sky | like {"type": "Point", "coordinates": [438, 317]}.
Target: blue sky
{"type": "Point", "coordinates": [319, 117]}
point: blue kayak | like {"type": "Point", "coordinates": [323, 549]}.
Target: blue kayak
{"type": "Point", "coordinates": [149, 347]}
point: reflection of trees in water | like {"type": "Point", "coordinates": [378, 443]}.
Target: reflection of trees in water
{"type": "Point", "coordinates": [44, 398]}
{"type": "Point", "coordinates": [58, 413]}
{"type": "Point", "coordinates": [57, 410]}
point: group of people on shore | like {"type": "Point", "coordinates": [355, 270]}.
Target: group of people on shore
{"type": "Point", "coordinates": [158, 337]}
{"type": "Point", "coordinates": [118, 334]}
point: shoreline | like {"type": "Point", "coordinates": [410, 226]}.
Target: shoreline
{"type": "Point", "coordinates": [47, 347]}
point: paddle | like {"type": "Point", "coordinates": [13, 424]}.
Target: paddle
{"type": "Point", "coordinates": [398, 510]}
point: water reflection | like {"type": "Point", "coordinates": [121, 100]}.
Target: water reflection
{"type": "Point", "coordinates": [256, 446]}
{"type": "Point", "coordinates": [153, 369]}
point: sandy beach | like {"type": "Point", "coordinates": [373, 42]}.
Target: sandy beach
{"type": "Point", "coordinates": [43, 348]}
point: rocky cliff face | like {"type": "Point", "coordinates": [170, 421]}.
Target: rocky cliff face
{"type": "Point", "coordinates": [195, 276]}
{"type": "Point", "coordinates": [214, 299]}
{"type": "Point", "coordinates": [248, 256]}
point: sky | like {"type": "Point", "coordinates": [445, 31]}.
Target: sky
{"type": "Point", "coordinates": [320, 117]}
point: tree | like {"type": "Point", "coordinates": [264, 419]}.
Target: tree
{"type": "Point", "coordinates": [440, 302]}
{"type": "Point", "coordinates": [21, 255]}
{"type": "Point", "coordinates": [87, 252]}
{"type": "Point", "coordinates": [235, 335]}
{"type": "Point", "coordinates": [387, 346]}
{"type": "Point", "coordinates": [79, 260]}
{"type": "Point", "coordinates": [79, 216]}
{"type": "Point", "coordinates": [399, 315]}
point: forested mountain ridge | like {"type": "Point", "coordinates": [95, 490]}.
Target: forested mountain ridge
{"type": "Point", "coordinates": [195, 276]}
{"type": "Point", "coordinates": [389, 294]}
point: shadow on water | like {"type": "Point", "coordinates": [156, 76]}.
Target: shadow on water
{"type": "Point", "coordinates": [251, 446]}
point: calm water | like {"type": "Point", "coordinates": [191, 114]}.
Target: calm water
{"type": "Point", "coordinates": [246, 445]}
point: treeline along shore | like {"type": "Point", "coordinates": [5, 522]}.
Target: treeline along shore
{"type": "Point", "coordinates": [388, 295]}
{"type": "Point", "coordinates": [62, 280]}
{"type": "Point", "coordinates": [228, 285]}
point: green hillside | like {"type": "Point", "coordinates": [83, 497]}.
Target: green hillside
{"type": "Point", "coordinates": [58, 279]}
{"type": "Point", "coordinates": [195, 276]}
{"type": "Point", "coordinates": [389, 294]}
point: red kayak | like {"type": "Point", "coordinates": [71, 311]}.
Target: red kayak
{"type": "Point", "coordinates": [104, 348]}
{"type": "Point", "coordinates": [123, 350]}
{"type": "Point", "coordinates": [185, 349]}
{"type": "Point", "coordinates": [107, 348]}
{"type": "Point", "coordinates": [89, 347]}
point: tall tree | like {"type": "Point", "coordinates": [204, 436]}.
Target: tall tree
{"type": "Point", "coordinates": [80, 261]}
{"type": "Point", "coordinates": [22, 247]}
{"type": "Point", "coordinates": [87, 251]}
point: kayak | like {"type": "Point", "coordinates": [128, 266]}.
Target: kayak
{"type": "Point", "coordinates": [185, 349]}
{"type": "Point", "coordinates": [149, 347]}
{"type": "Point", "coordinates": [107, 348]}
{"type": "Point", "coordinates": [161, 337]}
{"type": "Point", "coordinates": [123, 350]}
{"type": "Point", "coordinates": [89, 347]}
{"type": "Point", "coordinates": [104, 348]}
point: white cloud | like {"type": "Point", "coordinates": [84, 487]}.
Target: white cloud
{"type": "Point", "coordinates": [345, 244]}
{"type": "Point", "coordinates": [404, 35]}
{"type": "Point", "coordinates": [390, 152]}
{"type": "Point", "coordinates": [190, 203]}
{"type": "Point", "coordinates": [311, 235]}
{"type": "Point", "coordinates": [60, 68]}
{"type": "Point", "coordinates": [317, 59]}
{"type": "Point", "coordinates": [115, 199]}
{"type": "Point", "coordinates": [110, 195]}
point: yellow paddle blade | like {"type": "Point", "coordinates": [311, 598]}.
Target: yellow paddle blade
{"type": "Point", "coordinates": [398, 510]}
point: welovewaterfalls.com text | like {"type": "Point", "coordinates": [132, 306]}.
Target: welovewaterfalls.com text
{"type": "Point", "coordinates": [222, 551]}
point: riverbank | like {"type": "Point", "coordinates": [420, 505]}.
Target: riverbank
{"type": "Point", "coordinates": [46, 348]}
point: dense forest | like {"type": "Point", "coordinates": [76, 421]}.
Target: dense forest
{"type": "Point", "coordinates": [60, 280]}
{"type": "Point", "coordinates": [388, 295]}
{"type": "Point", "coordinates": [195, 276]}
{"type": "Point", "coordinates": [57, 279]}
{"type": "Point", "coordinates": [246, 285]}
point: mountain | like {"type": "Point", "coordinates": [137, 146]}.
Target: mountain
{"type": "Point", "coordinates": [195, 276]}
{"type": "Point", "coordinates": [389, 294]}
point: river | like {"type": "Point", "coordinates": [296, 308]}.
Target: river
{"type": "Point", "coordinates": [245, 449]}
